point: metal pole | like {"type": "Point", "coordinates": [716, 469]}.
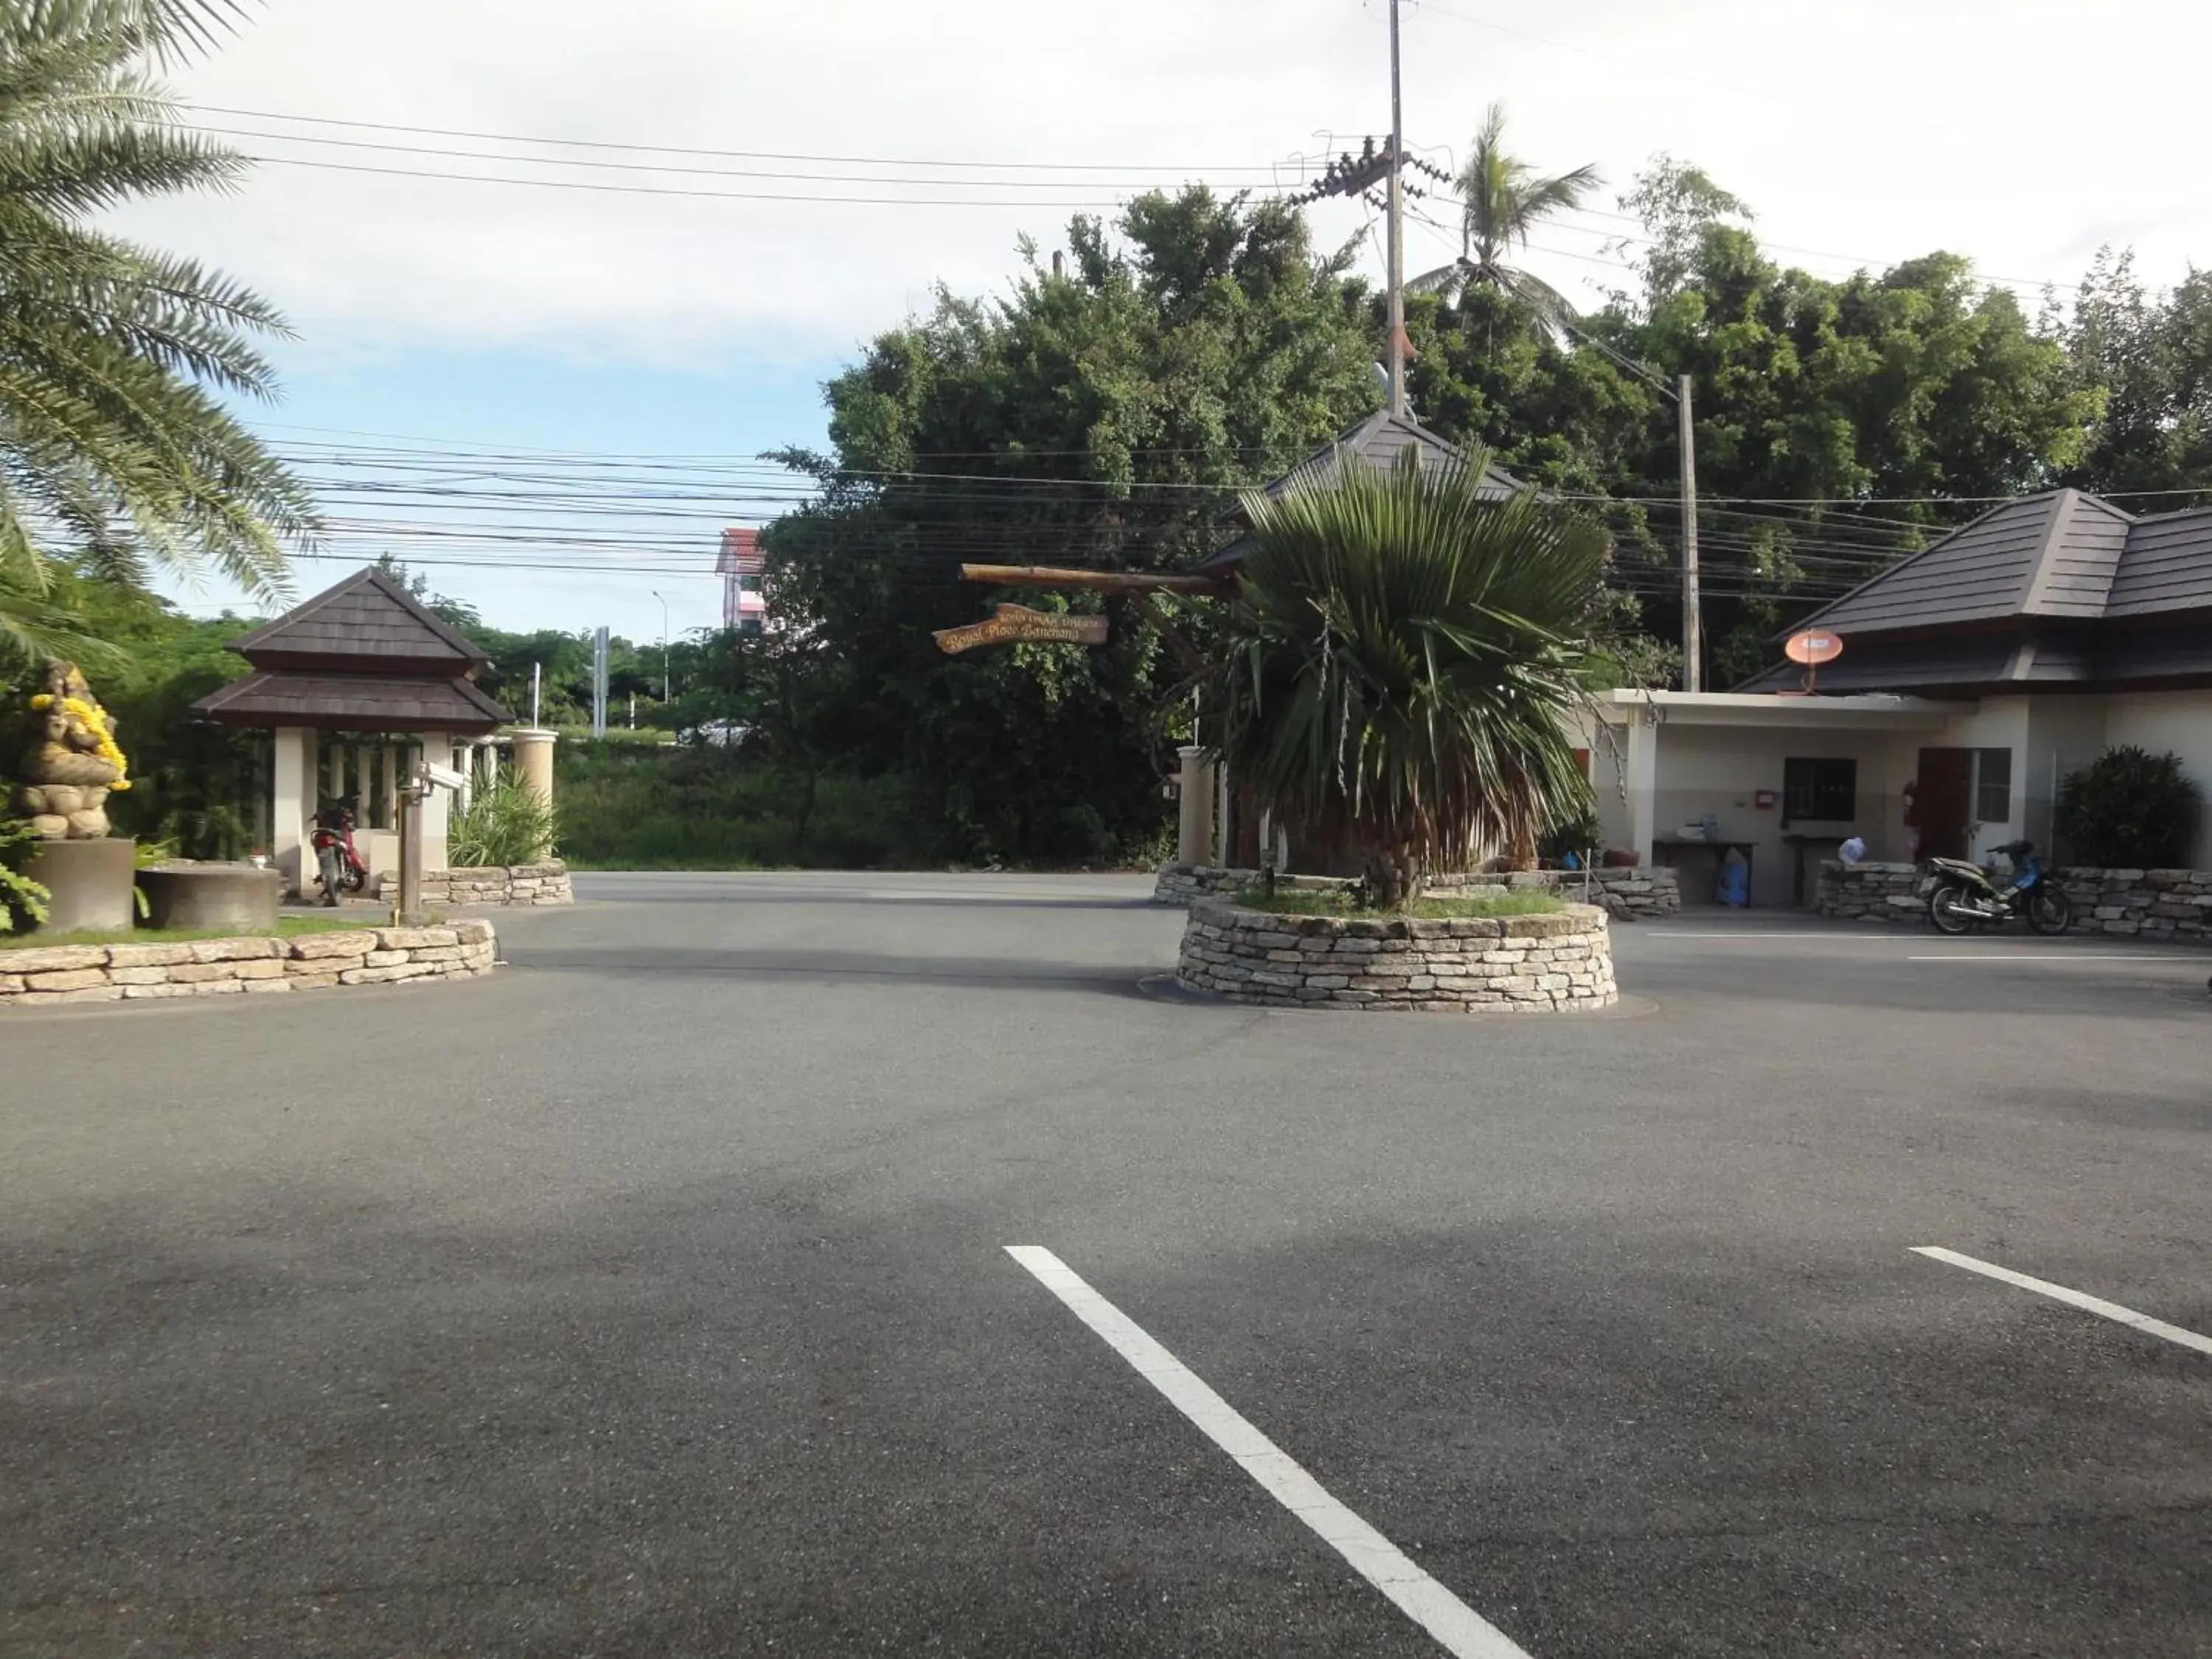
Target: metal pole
{"type": "Point", "coordinates": [599, 684]}
{"type": "Point", "coordinates": [1694, 632]}
{"type": "Point", "coordinates": [664, 648]}
{"type": "Point", "coordinates": [410, 851]}
{"type": "Point", "coordinates": [537, 689]}
{"type": "Point", "coordinates": [1397, 348]}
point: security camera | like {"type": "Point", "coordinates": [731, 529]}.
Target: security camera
{"type": "Point", "coordinates": [443, 777]}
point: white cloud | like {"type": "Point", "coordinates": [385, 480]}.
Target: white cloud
{"type": "Point", "coordinates": [2021, 133]}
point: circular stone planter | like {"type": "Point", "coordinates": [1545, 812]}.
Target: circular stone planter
{"type": "Point", "coordinates": [234, 898]}
{"type": "Point", "coordinates": [1556, 962]}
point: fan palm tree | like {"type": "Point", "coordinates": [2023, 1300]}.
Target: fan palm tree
{"type": "Point", "coordinates": [1504, 198]}
{"type": "Point", "coordinates": [116, 453]}
{"type": "Point", "coordinates": [1404, 665]}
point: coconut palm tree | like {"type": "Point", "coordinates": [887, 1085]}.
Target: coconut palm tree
{"type": "Point", "coordinates": [1404, 666]}
{"type": "Point", "coordinates": [116, 452]}
{"type": "Point", "coordinates": [1504, 198]}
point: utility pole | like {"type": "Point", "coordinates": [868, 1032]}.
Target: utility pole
{"type": "Point", "coordinates": [1348, 175]}
{"type": "Point", "coordinates": [1694, 632]}
{"type": "Point", "coordinates": [664, 648]}
{"type": "Point", "coordinates": [1397, 348]}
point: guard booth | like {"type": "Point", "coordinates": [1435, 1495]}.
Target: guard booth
{"type": "Point", "coordinates": [360, 687]}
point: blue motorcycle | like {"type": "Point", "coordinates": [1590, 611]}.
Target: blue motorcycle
{"type": "Point", "coordinates": [1962, 897]}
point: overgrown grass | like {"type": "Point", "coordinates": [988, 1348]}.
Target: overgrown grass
{"type": "Point", "coordinates": [1293, 902]}
{"type": "Point", "coordinates": [287, 927]}
{"type": "Point", "coordinates": [626, 806]}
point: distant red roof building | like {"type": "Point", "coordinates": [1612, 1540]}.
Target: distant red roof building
{"type": "Point", "coordinates": [739, 567]}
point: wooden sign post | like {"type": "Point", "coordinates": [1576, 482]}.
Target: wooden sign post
{"type": "Point", "coordinates": [1015, 624]}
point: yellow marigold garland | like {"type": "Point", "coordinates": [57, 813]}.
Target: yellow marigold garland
{"type": "Point", "coordinates": [96, 721]}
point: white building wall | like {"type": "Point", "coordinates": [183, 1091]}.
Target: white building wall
{"type": "Point", "coordinates": [1721, 769]}
{"type": "Point", "coordinates": [2065, 733]}
{"type": "Point", "coordinates": [2180, 722]}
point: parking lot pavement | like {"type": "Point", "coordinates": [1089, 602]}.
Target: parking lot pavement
{"type": "Point", "coordinates": [653, 1298]}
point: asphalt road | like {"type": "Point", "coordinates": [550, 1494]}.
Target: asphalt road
{"type": "Point", "coordinates": [651, 1297]}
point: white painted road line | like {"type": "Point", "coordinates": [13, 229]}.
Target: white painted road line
{"type": "Point", "coordinates": [2060, 957]}
{"type": "Point", "coordinates": [1462, 1630]}
{"type": "Point", "coordinates": [2104, 1310]}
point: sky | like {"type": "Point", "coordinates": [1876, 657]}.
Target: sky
{"type": "Point", "coordinates": [598, 368]}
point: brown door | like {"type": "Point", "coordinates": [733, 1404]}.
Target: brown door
{"type": "Point", "coordinates": [1943, 801]}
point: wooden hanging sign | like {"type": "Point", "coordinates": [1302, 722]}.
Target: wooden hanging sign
{"type": "Point", "coordinates": [1017, 624]}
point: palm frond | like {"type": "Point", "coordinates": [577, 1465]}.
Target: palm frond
{"type": "Point", "coordinates": [114, 451]}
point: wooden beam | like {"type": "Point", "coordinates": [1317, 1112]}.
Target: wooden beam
{"type": "Point", "coordinates": [1184, 652]}
{"type": "Point", "coordinates": [1100, 581]}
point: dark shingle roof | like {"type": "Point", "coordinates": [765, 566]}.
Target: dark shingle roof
{"type": "Point", "coordinates": [1377, 443]}
{"type": "Point", "coordinates": [2029, 594]}
{"type": "Point", "coordinates": [2168, 565]}
{"type": "Point", "coordinates": [365, 619]}
{"type": "Point", "coordinates": [353, 702]}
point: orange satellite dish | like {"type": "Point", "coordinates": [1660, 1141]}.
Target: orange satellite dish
{"type": "Point", "coordinates": [1812, 646]}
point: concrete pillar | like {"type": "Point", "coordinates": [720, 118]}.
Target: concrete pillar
{"type": "Point", "coordinates": [437, 748]}
{"type": "Point", "coordinates": [1194, 826]}
{"type": "Point", "coordinates": [533, 760]}
{"type": "Point", "coordinates": [464, 763]}
{"type": "Point", "coordinates": [292, 803]}
{"type": "Point", "coordinates": [388, 817]}
{"type": "Point", "coordinates": [1643, 763]}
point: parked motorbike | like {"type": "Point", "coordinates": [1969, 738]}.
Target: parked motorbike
{"type": "Point", "coordinates": [336, 860]}
{"type": "Point", "coordinates": [1962, 896]}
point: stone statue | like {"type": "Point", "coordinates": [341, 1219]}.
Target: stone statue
{"type": "Point", "coordinates": [72, 765]}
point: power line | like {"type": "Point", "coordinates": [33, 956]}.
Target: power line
{"type": "Point", "coordinates": [651, 190]}
{"type": "Point", "coordinates": [711, 173]}
{"type": "Point", "coordinates": [730, 155]}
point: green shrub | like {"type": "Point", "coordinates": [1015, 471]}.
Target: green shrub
{"type": "Point", "coordinates": [2129, 810]}
{"type": "Point", "coordinates": [506, 822]}
{"type": "Point", "coordinates": [21, 898]}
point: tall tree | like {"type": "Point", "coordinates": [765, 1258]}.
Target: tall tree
{"type": "Point", "coordinates": [114, 448]}
{"type": "Point", "coordinates": [1102, 415]}
{"type": "Point", "coordinates": [2149, 355]}
{"type": "Point", "coordinates": [1503, 198]}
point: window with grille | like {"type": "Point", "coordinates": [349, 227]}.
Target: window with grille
{"type": "Point", "coordinates": [1993, 786]}
{"type": "Point", "coordinates": [1821, 789]}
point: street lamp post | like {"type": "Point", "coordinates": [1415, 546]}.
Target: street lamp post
{"type": "Point", "coordinates": [664, 647]}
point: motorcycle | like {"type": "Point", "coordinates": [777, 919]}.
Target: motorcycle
{"type": "Point", "coordinates": [1962, 896]}
{"type": "Point", "coordinates": [336, 859]}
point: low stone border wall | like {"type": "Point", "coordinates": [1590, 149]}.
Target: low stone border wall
{"type": "Point", "coordinates": [41, 977]}
{"type": "Point", "coordinates": [1183, 885]}
{"type": "Point", "coordinates": [520, 885]}
{"type": "Point", "coordinates": [1535, 964]}
{"type": "Point", "coordinates": [2174, 904]}
{"type": "Point", "coordinates": [1625, 895]}
{"type": "Point", "coordinates": [1869, 892]}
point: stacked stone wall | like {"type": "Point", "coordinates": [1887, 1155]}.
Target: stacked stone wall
{"type": "Point", "coordinates": [2171, 904]}
{"type": "Point", "coordinates": [41, 976]}
{"type": "Point", "coordinates": [518, 885]}
{"type": "Point", "coordinates": [1528, 963]}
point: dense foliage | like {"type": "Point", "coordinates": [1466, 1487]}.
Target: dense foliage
{"type": "Point", "coordinates": [1101, 415]}
{"type": "Point", "coordinates": [1402, 666]}
{"type": "Point", "coordinates": [2129, 810]}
